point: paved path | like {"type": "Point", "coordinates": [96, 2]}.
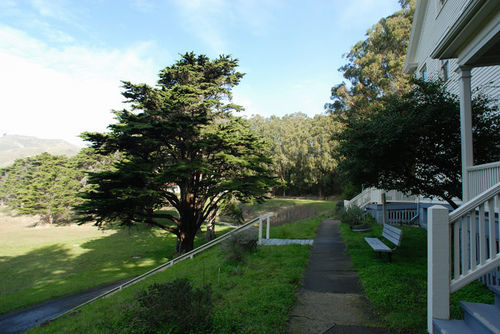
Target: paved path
{"type": "Point", "coordinates": [281, 242]}
{"type": "Point", "coordinates": [24, 319]}
{"type": "Point", "coordinates": [330, 299]}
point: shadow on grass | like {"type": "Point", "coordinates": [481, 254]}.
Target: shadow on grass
{"type": "Point", "coordinates": [61, 269]}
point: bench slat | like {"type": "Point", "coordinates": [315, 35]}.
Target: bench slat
{"type": "Point", "coordinates": [392, 234]}
{"type": "Point", "coordinates": [377, 245]}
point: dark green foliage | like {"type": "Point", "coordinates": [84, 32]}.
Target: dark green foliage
{"type": "Point", "coordinates": [180, 132]}
{"type": "Point", "coordinates": [352, 215]}
{"type": "Point", "coordinates": [412, 144]}
{"type": "Point", "coordinates": [173, 307]}
{"type": "Point", "coordinates": [47, 185]}
{"type": "Point", "coordinates": [302, 153]}
{"type": "Point", "coordinates": [240, 244]}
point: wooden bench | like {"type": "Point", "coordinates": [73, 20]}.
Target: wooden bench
{"type": "Point", "coordinates": [392, 234]}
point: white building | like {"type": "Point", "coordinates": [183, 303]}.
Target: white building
{"type": "Point", "coordinates": [459, 41]}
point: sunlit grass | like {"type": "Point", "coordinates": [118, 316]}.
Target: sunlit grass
{"type": "Point", "coordinates": [398, 289]}
{"type": "Point", "coordinates": [250, 297]}
{"type": "Point", "coordinates": [37, 264]}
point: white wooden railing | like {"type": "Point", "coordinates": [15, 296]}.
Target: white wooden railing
{"type": "Point", "coordinates": [367, 196]}
{"type": "Point", "coordinates": [482, 177]}
{"type": "Point", "coordinates": [462, 247]}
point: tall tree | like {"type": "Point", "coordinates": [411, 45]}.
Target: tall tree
{"type": "Point", "coordinates": [412, 143]}
{"type": "Point", "coordinates": [181, 132]}
{"type": "Point", "coordinates": [374, 66]}
{"type": "Point", "coordinates": [301, 152]}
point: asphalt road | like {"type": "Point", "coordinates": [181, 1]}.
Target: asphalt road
{"type": "Point", "coordinates": [36, 315]}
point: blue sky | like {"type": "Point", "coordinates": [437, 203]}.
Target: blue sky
{"type": "Point", "coordinates": [61, 61]}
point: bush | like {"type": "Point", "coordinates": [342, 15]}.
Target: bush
{"type": "Point", "coordinates": [352, 215]}
{"type": "Point", "coordinates": [173, 307]}
{"type": "Point", "coordinates": [338, 209]}
{"type": "Point", "coordinates": [238, 245]}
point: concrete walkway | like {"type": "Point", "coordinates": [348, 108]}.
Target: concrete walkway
{"type": "Point", "coordinates": [330, 299]}
{"type": "Point", "coordinates": [24, 319]}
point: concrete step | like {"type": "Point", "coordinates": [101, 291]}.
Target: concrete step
{"type": "Point", "coordinates": [496, 290]}
{"type": "Point", "coordinates": [482, 318]}
{"type": "Point", "coordinates": [451, 327]}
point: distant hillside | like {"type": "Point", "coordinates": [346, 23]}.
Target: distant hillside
{"type": "Point", "coordinates": [14, 147]}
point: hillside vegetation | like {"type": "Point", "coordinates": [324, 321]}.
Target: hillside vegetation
{"type": "Point", "coordinates": [14, 147]}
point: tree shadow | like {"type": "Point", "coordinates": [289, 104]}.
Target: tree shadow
{"type": "Point", "coordinates": [57, 270]}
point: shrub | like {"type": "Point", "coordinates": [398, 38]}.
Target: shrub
{"type": "Point", "coordinates": [238, 245]}
{"type": "Point", "coordinates": [338, 209]}
{"type": "Point", "coordinates": [352, 215]}
{"type": "Point", "coordinates": [173, 307]}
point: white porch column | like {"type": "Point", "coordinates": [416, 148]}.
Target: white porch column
{"type": "Point", "coordinates": [466, 128]}
{"type": "Point", "coordinates": [438, 265]}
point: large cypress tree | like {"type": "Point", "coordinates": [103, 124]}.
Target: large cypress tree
{"type": "Point", "coordinates": [180, 132]}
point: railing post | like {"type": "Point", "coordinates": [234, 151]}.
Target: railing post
{"type": "Point", "coordinates": [438, 265]}
{"type": "Point", "coordinates": [260, 231]}
{"type": "Point", "coordinates": [267, 228]}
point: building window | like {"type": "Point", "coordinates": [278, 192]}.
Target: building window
{"type": "Point", "coordinates": [423, 73]}
{"type": "Point", "coordinates": [444, 69]}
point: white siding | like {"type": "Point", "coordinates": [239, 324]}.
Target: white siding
{"type": "Point", "coordinates": [436, 22]}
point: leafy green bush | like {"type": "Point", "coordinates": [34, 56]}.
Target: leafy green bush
{"type": "Point", "coordinates": [338, 209]}
{"type": "Point", "coordinates": [352, 215]}
{"type": "Point", "coordinates": [173, 307]}
{"type": "Point", "coordinates": [238, 245]}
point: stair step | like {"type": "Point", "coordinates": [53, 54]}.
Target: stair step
{"type": "Point", "coordinates": [483, 318]}
{"type": "Point", "coordinates": [451, 327]}
{"type": "Point", "coordinates": [496, 290]}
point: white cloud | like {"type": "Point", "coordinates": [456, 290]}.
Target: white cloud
{"type": "Point", "coordinates": [60, 92]}
{"type": "Point", "coordinates": [208, 19]}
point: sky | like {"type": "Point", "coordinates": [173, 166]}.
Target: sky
{"type": "Point", "coordinates": [62, 61]}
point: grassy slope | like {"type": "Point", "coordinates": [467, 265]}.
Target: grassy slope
{"type": "Point", "coordinates": [254, 297]}
{"type": "Point", "coordinates": [398, 290]}
{"type": "Point", "coordinates": [38, 264]}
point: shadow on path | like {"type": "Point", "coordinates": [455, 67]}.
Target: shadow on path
{"type": "Point", "coordinates": [330, 299]}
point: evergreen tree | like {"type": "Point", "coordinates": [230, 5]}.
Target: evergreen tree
{"type": "Point", "coordinates": [181, 132]}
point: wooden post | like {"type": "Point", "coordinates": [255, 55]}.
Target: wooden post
{"type": "Point", "coordinates": [267, 228]}
{"type": "Point", "coordinates": [384, 209]}
{"type": "Point", "coordinates": [466, 128]}
{"type": "Point", "coordinates": [438, 265]}
{"type": "Point", "coordinates": [260, 231]}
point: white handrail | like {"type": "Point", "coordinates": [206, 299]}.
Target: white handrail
{"type": "Point", "coordinates": [474, 202]}
{"type": "Point", "coordinates": [461, 248]}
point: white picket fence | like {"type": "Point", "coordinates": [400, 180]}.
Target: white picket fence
{"type": "Point", "coordinates": [462, 247]}
{"type": "Point", "coordinates": [401, 216]}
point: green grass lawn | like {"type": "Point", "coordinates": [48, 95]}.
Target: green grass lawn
{"type": "Point", "coordinates": [38, 264]}
{"type": "Point", "coordinates": [398, 290]}
{"type": "Point", "coordinates": [250, 297]}
{"type": "Point", "coordinates": [277, 204]}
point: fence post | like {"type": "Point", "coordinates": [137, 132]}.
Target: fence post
{"type": "Point", "coordinates": [267, 228]}
{"type": "Point", "coordinates": [260, 231]}
{"type": "Point", "coordinates": [438, 265]}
